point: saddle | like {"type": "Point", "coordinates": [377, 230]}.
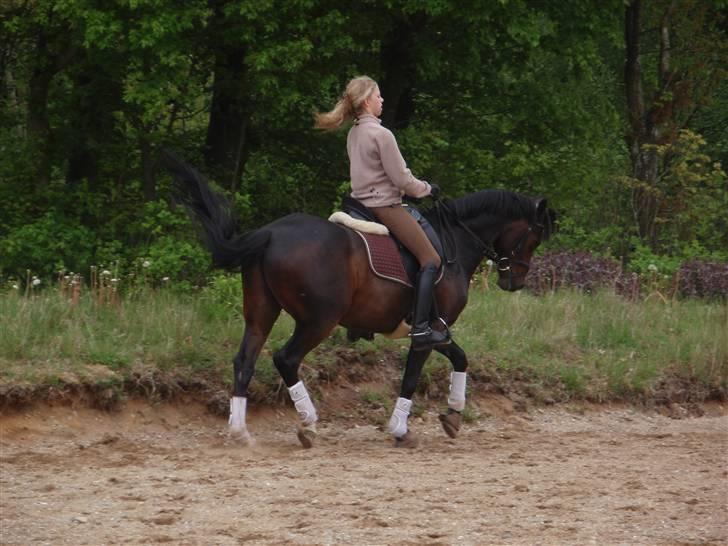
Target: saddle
{"type": "Point", "coordinates": [388, 258]}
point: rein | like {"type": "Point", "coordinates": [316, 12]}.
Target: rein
{"type": "Point", "coordinates": [446, 229]}
{"type": "Point", "coordinates": [487, 249]}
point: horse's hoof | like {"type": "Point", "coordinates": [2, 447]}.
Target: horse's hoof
{"type": "Point", "coordinates": [451, 423]}
{"type": "Point", "coordinates": [307, 435]}
{"type": "Point", "coordinates": [241, 436]}
{"type": "Point", "coordinates": [409, 440]}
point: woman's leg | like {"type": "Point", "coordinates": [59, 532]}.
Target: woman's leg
{"type": "Point", "coordinates": [410, 234]}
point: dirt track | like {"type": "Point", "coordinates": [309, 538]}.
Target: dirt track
{"type": "Point", "coordinates": [168, 474]}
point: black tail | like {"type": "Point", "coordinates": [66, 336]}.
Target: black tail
{"type": "Point", "coordinates": [229, 249]}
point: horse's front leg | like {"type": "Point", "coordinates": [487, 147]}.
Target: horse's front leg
{"type": "Point", "coordinates": [398, 421]}
{"type": "Point", "coordinates": [456, 399]}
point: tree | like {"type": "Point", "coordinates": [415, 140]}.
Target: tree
{"type": "Point", "coordinates": [684, 43]}
{"type": "Point", "coordinates": [516, 94]}
{"type": "Point", "coordinates": [38, 39]}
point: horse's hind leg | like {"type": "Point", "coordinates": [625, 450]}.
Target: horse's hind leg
{"type": "Point", "coordinates": [306, 336]}
{"type": "Point", "coordinates": [456, 399]}
{"type": "Point", "coordinates": [260, 310]}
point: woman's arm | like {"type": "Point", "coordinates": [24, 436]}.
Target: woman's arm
{"type": "Point", "coordinates": [396, 168]}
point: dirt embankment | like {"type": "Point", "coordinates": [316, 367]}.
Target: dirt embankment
{"type": "Point", "coordinates": [353, 383]}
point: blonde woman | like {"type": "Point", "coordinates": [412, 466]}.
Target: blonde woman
{"type": "Point", "coordinates": [379, 179]}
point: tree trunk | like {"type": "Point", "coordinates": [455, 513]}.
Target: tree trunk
{"type": "Point", "coordinates": [39, 129]}
{"type": "Point", "coordinates": [642, 131]}
{"type": "Point", "coordinates": [53, 52]}
{"type": "Point", "coordinates": [148, 169]}
{"type": "Point", "coordinates": [651, 124]}
{"type": "Point", "coordinates": [227, 131]}
{"type": "Point", "coordinates": [96, 95]}
{"type": "Point", "coordinates": [398, 74]}
{"type": "Point", "coordinates": [146, 148]}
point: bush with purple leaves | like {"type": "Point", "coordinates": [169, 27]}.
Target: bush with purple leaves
{"type": "Point", "coordinates": [587, 272]}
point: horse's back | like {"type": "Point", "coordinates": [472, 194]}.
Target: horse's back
{"type": "Point", "coordinates": [299, 233]}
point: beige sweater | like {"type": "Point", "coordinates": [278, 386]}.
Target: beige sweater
{"type": "Point", "coordinates": [379, 174]}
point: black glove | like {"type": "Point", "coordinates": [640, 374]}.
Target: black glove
{"type": "Point", "coordinates": [435, 191]}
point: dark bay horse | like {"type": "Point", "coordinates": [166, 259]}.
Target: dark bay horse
{"type": "Point", "coordinates": [318, 272]}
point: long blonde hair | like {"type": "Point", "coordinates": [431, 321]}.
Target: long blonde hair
{"type": "Point", "coordinates": [348, 106]}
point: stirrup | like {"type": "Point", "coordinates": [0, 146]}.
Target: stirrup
{"type": "Point", "coordinates": [429, 339]}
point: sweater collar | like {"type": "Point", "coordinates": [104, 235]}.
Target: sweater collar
{"type": "Point", "coordinates": [367, 118]}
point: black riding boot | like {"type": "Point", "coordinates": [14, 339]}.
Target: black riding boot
{"type": "Point", "coordinates": [423, 336]}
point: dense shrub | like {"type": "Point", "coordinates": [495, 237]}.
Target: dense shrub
{"type": "Point", "coordinates": [698, 278]}
{"type": "Point", "coordinates": [46, 245]}
{"type": "Point", "coordinates": [587, 272]}
{"type": "Point", "coordinates": [581, 270]}
{"type": "Point", "coordinates": [178, 261]}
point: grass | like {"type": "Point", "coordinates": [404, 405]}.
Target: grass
{"type": "Point", "coordinates": [597, 347]}
{"type": "Point", "coordinates": [375, 398]}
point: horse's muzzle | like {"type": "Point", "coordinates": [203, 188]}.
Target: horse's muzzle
{"type": "Point", "coordinates": [511, 283]}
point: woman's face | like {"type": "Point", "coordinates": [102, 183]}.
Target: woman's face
{"type": "Point", "coordinates": [373, 104]}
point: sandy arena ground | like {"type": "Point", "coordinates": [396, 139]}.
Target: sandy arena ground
{"type": "Point", "coordinates": [168, 474]}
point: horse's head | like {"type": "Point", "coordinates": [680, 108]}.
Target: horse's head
{"type": "Point", "coordinates": [502, 225]}
{"type": "Point", "coordinates": [517, 242]}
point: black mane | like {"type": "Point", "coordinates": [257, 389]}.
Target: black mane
{"type": "Point", "coordinates": [502, 203]}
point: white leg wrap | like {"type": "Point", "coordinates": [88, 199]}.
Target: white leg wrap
{"type": "Point", "coordinates": [456, 400]}
{"type": "Point", "coordinates": [237, 424]}
{"type": "Point", "coordinates": [398, 421]}
{"type": "Point", "coordinates": [303, 403]}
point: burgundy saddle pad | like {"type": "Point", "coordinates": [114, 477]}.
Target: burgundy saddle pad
{"type": "Point", "coordinates": [384, 258]}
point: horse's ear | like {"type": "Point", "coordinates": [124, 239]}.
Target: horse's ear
{"type": "Point", "coordinates": [551, 223]}
{"type": "Point", "coordinates": [545, 216]}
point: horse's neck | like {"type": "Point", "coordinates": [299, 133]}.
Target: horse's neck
{"type": "Point", "coordinates": [469, 253]}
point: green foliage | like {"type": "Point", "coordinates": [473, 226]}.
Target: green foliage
{"type": "Point", "coordinates": [173, 253]}
{"type": "Point", "coordinates": [691, 198]}
{"type": "Point", "coordinates": [279, 187]}
{"type": "Point", "coordinates": [694, 193]}
{"type": "Point", "coordinates": [525, 96]}
{"type": "Point", "coordinates": [223, 297]}
{"type": "Point", "coordinates": [171, 259]}
{"type": "Point", "coordinates": [158, 219]}
{"type": "Point", "coordinates": [225, 289]}
{"type": "Point", "coordinates": [52, 243]}
{"type": "Point", "coordinates": [577, 236]}
{"type": "Point", "coordinates": [645, 262]}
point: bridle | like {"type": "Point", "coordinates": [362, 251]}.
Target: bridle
{"type": "Point", "coordinates": [503, 263]}
{"type": "Point", "coordinates": [536, 229]}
